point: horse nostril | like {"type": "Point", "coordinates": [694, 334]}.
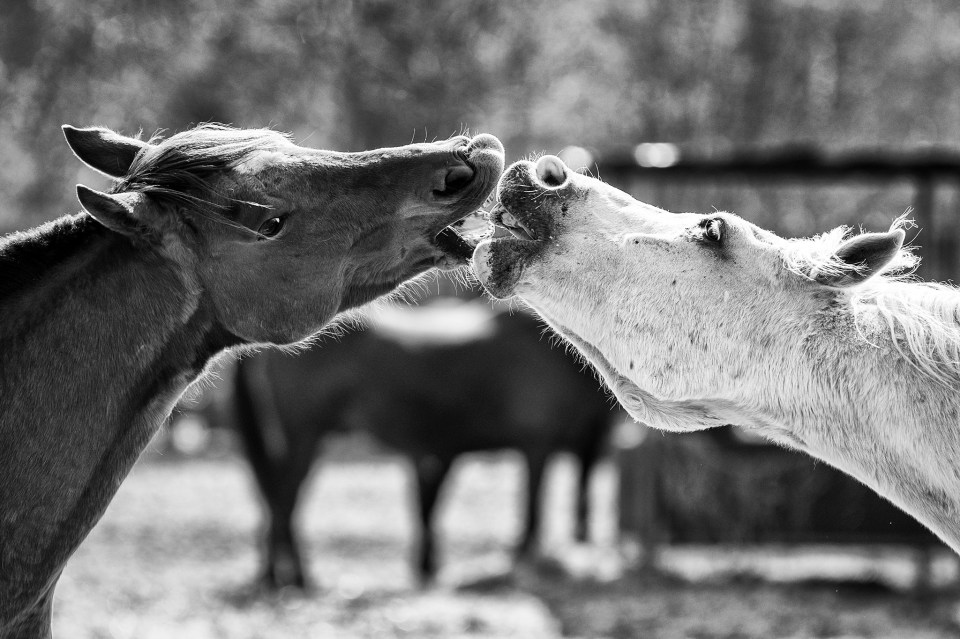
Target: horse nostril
{"type": "Point", "coordinates": [551, 170]}
{"type": "Point", "coordinates": [456, 178]}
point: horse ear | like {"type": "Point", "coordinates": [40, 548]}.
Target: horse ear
{"type": "Point", "coordinates": [103, 150]}
{"type": "Point", "coordinates": [117, 212]}
{"type": "Point", "coordinates": [861, 257]}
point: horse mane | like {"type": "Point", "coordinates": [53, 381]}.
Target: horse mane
{"type": "Point", "coordinates": [177, 170]}
{"type": "Point", "coordinates": [922, 318]}
{"type": "Point", "coordinates": [26, 255]}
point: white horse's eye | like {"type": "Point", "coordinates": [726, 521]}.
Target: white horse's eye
{"type": "Point", "coordinates": [713, 229]}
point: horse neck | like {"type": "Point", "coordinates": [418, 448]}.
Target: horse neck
{"type": "Point", "coordinates": [99, 340]}
{"type": "Point", "coordinates": [859, 404]}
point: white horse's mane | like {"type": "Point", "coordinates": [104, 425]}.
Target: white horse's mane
{"type": "Point", "coordinates": [923, 318]}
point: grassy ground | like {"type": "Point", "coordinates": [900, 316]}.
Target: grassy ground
{"type": "Point", "coordinates": [176, 553]}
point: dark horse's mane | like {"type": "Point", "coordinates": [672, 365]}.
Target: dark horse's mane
{"type": "Point", "coordinates": [173, 171]}
{"type": "Point", "coordinates": [176, 170]}
{"type": "Point", "coordinates": [26, 255]}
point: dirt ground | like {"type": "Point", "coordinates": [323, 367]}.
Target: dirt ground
{"type": "Point", "coordinates": [176, 553]}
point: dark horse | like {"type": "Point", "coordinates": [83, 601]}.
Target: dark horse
{"type": "Point", "coordinates": [210, 239]}
{"type": "Point", "coordinates": [431, 394]}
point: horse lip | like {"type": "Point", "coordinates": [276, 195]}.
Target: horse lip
{"type": "Point", "coordinates": [484, 155]}
{"type": "Point", "coordinates": [452, 243]}
{"type": "Point", "coordinates": [455, 245]}
{"type": "Point", "coordinates": [486, 144]}
{"type": "Point", "coordinates": [500, 263]}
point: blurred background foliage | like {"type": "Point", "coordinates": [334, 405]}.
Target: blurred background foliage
{"type": "Point", "coordinates": [711, 76]}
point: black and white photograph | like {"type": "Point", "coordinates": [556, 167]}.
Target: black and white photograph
{"type": "Point", "coordinates": [456, 319]}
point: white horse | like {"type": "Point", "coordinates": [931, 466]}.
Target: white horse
{"type": "Point", "coordinates": [821, 344]}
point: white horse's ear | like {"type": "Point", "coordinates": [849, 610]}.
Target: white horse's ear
{"type": "Point", "coordinates": [860, 258]}
{"type": "Point", "coordinates": [103, 150]}
{"type": "Point", "coordinates": [118, 212]}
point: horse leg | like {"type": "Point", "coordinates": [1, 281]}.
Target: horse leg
{"type": "Point", "coordinates": [279, 468]}
{"type": "Point", "coordinates": [431, 471]}
{"type": "Point", "coordinates": [536, 464]}
{"type": "Point", "coordinates": [284, 566]}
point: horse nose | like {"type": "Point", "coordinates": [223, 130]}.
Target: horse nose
{"type": "Point", "coordinates": [551, 170]}
{"type": "Point", "coordinates": [456, 178]}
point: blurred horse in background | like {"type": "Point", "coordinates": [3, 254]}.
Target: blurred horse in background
{"type": "Point", "coordinates": [213, 238]}
{"type": "Point", "coordinates": [432, 383]}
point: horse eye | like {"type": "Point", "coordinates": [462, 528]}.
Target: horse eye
{"type": "Point", "coordinates": [713, 229]}
{"type": "Point", "coordinates": [271, 227]}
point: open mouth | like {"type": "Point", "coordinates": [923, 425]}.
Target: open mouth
{"type": "Point", "coordinates": [525, 223]}
{"type": "Point", "coordinates": [502, 218]}
{"type": "Point", "coordinates": [461, 238]}
{"type": "Point", "coordinates": [525, 215]}
{"type": "Point", "coordinates": [482, 158]}
{"type": "Point", "coordinates": [491, 222]}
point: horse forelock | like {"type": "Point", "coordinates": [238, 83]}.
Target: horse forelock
{"type": "Point", "coordinates": [179, 170]}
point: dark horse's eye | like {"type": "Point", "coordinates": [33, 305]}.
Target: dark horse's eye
{"type": "Point", "coordinates": [271, 227]}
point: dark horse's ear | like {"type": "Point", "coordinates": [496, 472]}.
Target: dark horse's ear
{"type": "Point", "coordinates": [117, 212]}
{"type": "Point", "coordinates": [861, 257]}
{"type": "Point", "coordinates": [103, 150]}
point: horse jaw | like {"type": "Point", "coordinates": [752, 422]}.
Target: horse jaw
{"type": "Point", "coordinates": [602, 325]}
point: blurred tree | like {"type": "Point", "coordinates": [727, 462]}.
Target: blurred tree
{"type": "Point", "coordinates": [19, 35]}
{"type": "Point", "coordinates": [414, 67]}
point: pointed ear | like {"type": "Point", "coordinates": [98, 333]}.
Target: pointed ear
{"type": "Point", "coordinates": [103, 150]}
{"type": "Point", "coordinates": [118, 212]}
{"type": "Point", "coordinates": [861, 257]}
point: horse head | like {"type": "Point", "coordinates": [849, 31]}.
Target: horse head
{"type": "Point", "coordinates": [679, 312]}
{"type": "Point", "coordinates": [277, 238]}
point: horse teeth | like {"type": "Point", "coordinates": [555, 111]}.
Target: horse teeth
{"type": "Point", "coordinates": [526, 230]}
{"type": "Point", "coordinates": [490, 199]}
